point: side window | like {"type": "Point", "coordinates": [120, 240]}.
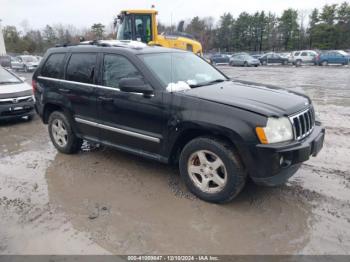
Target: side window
{"type": "Point", "coordinates": [81, 67]}
{"type": "Point", "coordinates": [304, 54]}
{"type": "Point", "coordinates": [297, 54]}
{"type": "Point", "coordinates": [312, 54]}
{"type": "Point", "coordinates": [53, 66]}
{"type": "Point", "coordinates": [116, 67]}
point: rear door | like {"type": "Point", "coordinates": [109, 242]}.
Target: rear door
{"type": "Point", "coordinates": [78, 90]}
{"type": "Point", "coordinates": [304, 56]}
{"type": "Point", "coordinates": [127, 120]}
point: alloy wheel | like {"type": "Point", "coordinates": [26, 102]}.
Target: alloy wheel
{"type": "Point", "coordinates": [207, 171]}
{"type": "Point", "coordinates": [59, 132]}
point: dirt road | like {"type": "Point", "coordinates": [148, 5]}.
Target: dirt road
{"type": "Point", "coordinates": [104, 201]}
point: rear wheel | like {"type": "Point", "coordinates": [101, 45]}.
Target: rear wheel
{"type": "Point", "coordinates": [324, 63]}
{"type": "Point", "coordinates": [212, 169]}
{"type": "Point", "coordinates": [298, 63]}
{"type": "Point", "coordinates": [62, 135]}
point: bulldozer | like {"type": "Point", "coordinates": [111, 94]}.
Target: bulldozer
{"type": "Point", "coordinates": [141, 25]}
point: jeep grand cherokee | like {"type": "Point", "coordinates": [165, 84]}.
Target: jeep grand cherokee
{"type": "Point", "coordinates": [174, 107]}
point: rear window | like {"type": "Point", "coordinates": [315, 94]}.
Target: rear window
{"type": "Point", "coordinates": [81, 67]}
{"type": "Point", "coordinates": [54, 66]}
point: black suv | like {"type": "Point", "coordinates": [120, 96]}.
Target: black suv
{"type": "Point", "coordinates": [174, 107]}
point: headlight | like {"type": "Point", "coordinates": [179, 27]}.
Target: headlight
{"type": "Point", "coordinates": [276, 130]}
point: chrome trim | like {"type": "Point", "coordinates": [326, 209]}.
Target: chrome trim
{"type": "Point", "coordinates": [305, 116]}
{"type": "Point", "coordinates": [118, 130]}
{"type": "Point", "coordinates": [13, 98]}
{"type": "Point", "coordinates": [79, 83]}
{"type": "Point", "coordinates": [85, 84]}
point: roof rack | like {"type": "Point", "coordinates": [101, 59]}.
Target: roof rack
{"type": "Point", "coordinates": [108, 43]}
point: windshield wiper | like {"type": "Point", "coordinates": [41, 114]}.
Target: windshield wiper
{"type": "Point", "coordinates": [208, 83]}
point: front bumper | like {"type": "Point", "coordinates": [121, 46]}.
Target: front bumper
{"type": "Point", "coordinates": [277, 162]}
{"type": "Point", "coordinates": [18, 110]}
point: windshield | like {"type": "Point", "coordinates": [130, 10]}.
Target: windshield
{"type": "Point", "coordinates": [29, 59]}
{"type": "Point", "coordinates": [343, 52]}
{"type": "Point", "coordinates": [7, 78]}
{"type": "Point", "coordinates": [182, 69]}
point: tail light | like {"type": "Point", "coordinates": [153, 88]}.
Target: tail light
{"type": "Point", "coordinates": [34, 85]}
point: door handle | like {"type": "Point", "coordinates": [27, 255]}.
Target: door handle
{"type": "Point", "coordinates": [105, 99]}
{"type": "Point", "coordinates": [63, 90]}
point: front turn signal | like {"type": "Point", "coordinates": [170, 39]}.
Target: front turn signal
{"type": "Point", "coordinates": [260, 132]}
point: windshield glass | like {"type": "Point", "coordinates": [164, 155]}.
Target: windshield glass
{"type": "Point", "coordinates": [182, 69]}
{"type": "Point", "coordinates": [29, 59]}
{"type": "Point", "coordinates": [7, 78]}
{"type": "Point", "coordinates": [343, 52]}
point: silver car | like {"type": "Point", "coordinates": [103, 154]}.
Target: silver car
{"type": "Point", "coordinates": [244, 60]}
{"type": "Point", "coordinates": [24, 62]}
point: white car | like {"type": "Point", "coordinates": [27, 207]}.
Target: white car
{"type": "Point", "coordinates": [303, 57]}
{"type": "Point", "coordinates": [24, 62]}
{"type": "Point", "coordinates": [16, 96]}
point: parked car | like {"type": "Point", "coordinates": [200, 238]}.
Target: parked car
{"type": "Point", "coordinates": [170, 105]}
{"type": "Point", "coordinates": [24, 62]}
{"type": "Point", "coordinates": [303, 57]}
{"type": "Point", "coordinates": [5, 61]}
{"type": "Point", "coordinates": [219, 59]}
{"type": "Point", "coordinates": [244, 60]}
{"type": "Point", "coordinates": [286, 55]}
{"type": "Point", "coordinates": [273, 58]}
{"type": "Point", "coordinates": [257, 56]}
{"type": "Point", "coordinates": [16, 97]}
{"type": "Point", "coordinates": [333, 57]}
{"type": "Point", "coordinates": [38, 58]}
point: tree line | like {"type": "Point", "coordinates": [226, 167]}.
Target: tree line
{"type": "Point", "coordinates": [324, 28]}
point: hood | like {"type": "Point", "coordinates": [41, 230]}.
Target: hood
{"type": "Point", "coordinates": [261, 99]}
{"type": "Point", "coordinates": [15, 90]}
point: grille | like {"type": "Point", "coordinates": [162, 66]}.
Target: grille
{"type": "Point", "coordinates": [16, 100]}
{"type": "Point", "coordinates": [303, 123]}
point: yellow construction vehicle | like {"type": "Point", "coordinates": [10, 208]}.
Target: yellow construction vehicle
{"type": "Point", "coordinates": [141, 25]}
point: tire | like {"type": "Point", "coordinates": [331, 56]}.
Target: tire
{"type": "Point", "coordinates": [245, 64]}
{"type": "Point", "coordinates": [264, 63]}
{"type": "Point", "coordinates": [65, 141]}
{"type": "Point", "coordinates": [324, 63]}
{"type": "Point", "coordinates": [230, 173]}
{"type": "Point", "coordinates": [298, 63]}
{"type": "Point", "coordinates": [25, 69]}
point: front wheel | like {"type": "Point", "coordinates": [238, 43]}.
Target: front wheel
{"type": "Point", "coordinates": [324, 63]}
{"type": "Point", "coordinates": [212, 169]}
{"type": "Point", "coordinates": [62, 135]}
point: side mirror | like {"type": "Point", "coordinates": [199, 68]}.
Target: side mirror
{"type": "Point", "coordinates": [135, 85]}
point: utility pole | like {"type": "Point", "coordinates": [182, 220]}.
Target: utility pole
{"type": "Point", "coordinates": [2, 42]}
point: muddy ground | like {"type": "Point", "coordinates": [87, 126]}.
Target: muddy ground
{"type": "Point", "coordinates": [104, 201]}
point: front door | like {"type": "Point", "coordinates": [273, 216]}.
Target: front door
{"type": "Point", "coordinates": [127, 120]}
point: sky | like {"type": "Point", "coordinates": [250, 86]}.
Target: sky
{"type": "Point", "coordinates": [83, 13]}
